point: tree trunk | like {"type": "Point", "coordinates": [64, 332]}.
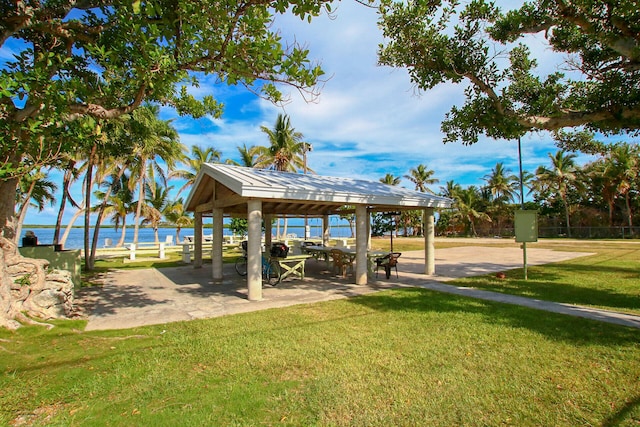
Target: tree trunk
{"type": "Point", "coordinates": [566, 214]}
{"type": "Point", "coordinates": [56, 232]}
{"type": "Point", "coordinates": [611, 205]}
{"type": "Point", "coordinates": [70, 226]}
{"type": "Point", "coordinates": [473, 227]}
{"type": "Point", "coordinates": [66, 181]}
{"type": "Point", "coordinates": [103, 206]}
{"type": "Point", "coordinates": [87, 203]}
{"type": "Point", "coordinates": [123, 234]}
{"type": "Point", "coordinates": [136, 225]}
{"type": "Point", "coordinates": [22, 212]}
{"type": "Point", "coordinates": [26, 287]}
{"type": "Point", "coordinates": [629, 214]}
{"type": "Point", "coordinates": [7, 206]}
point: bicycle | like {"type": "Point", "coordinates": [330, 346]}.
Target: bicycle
{"type": "Point", "coordinates": [270, 269]}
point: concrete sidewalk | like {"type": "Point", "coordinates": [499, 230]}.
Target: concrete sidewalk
{"type": "Point", "coordinates": [131, 298]}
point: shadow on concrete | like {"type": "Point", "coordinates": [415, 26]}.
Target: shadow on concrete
{"type": "Point", "coordinates": [130, 298]}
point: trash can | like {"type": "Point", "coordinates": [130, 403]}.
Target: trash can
{"type": "Point", "coordinates": [30, 239]}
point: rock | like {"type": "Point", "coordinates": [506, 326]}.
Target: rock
{"type": "Point", "coordinates": [28, 287]}
{"type": "Point", "coordinates": [55, 301]}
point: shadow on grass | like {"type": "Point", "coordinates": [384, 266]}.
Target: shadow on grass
{"type": "Point", "coordinates": [554, 326]}
{"type": "Point", "coordinates": [626, 271]}
{"type": "Point", "coordinates": [622, 414]}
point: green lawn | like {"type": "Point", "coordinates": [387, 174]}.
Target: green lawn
{"type": "Point", "coordinates": [405, 357]}
{"type": "Point", "coordinates": [610, 279]}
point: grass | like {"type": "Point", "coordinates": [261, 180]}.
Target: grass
{"type": "Point", "coordinates": [404, 357]}
{"type": "Point", "coordinates": [610, 279]}
{"type": "Point", "coordinates": [173, 258]}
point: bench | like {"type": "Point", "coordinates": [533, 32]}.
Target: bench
{"type": "Point", "coordinates": [292, 265]}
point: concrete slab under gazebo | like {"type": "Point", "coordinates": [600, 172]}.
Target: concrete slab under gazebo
{"type": "Point", "coordinates": [260, 194]}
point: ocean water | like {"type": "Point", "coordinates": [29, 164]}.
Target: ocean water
{"type": "Point", "coordinates": [75, 240]}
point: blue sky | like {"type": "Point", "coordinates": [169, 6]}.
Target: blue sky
{"type": "Point", "coordinates": [368, 121]}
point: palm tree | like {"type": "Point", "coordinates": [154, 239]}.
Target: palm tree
{"type": "Point", "coordinates": [502, 184]}
{"type": "Point", "coordinates": [604, 185]}
{"type": "Point", "coordinates": [285, 153]}
{"type": "Point", "coordinates": [286, 149]}
{"type": "Point", "coordinates": [557, 179]}
{"type": "Point", "coordinates": [174, 213]}
{"type": "Point", "coordinates": [153, 139]}
{"type": "Point", "coordinates": [502, 187]}
{"type": "Point", "coordinates": [34, 189]}
{"type": "Point", "coordinates": [451, 189]}
{"type": "Point", "coordinates": [157, 198]}
{"type": "Point", "coordinates": [199, 156]}
{"type": "Point", "coordinates": [107, 154]}
{"type": "Point", "coordinates": [248, 156]}
{"type": "Point", "coordinates": [467, 207]}
{"type": "Point", "coordinates": [119, 204]}
{"type": "Point", "coordinates": [71, 174]}
{"type": "Point", "coordinates": [622, 167]}
{"type": "Point", "coordinates": [389, 179]}
{"type": "Point", "coordinates": [421, 177]}
{"type": "Point", "coordinates": [115, 172]}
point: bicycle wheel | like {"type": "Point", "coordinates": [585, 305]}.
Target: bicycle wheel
{"type": "Point", "coordinates": [241, 266]}
{"type": "Point", "coordinates": [272, 273]}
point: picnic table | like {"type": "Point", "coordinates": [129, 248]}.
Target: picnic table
{"type": "Point", "coordinates": [318, 252]}
{"type": "Point", "coordinates": [293, 265]}
{"type": "Point", "coordinates": [323, 252]}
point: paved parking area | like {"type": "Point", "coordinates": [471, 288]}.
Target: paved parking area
{"type": "Point", "coordinates": [131, 298]}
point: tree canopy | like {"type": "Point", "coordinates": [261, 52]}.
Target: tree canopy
{"type": "Point", "coordinates": [101, 59]}
{"type": "Point", "coordinates": [595, 86]}
{"type": "Point", "coordinates": [78, 64]}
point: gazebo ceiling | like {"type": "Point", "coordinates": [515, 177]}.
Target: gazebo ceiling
{"type": "Point", "coordinates": [230, 188]}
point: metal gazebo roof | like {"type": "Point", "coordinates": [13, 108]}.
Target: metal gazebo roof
{"type": "Point", "coordinates": [230, 187]}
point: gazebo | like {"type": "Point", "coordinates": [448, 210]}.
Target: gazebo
{"type": "Point", "coordinates": [258, 194]}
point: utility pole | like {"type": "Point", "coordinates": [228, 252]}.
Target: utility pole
{"type": "Point", "coordinates": [524, 244]}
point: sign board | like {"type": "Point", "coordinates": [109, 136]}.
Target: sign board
{"type": "Point", "coordinates": [526, 225]}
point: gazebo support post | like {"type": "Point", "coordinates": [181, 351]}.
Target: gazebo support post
{"type": "Point", "coordinates": [361, 244]}
{"type": "Point", "coordinates": [368, 230]}
{"type": "Point", "coordinates": [268, 231]}
{"type": "Point", "coordinates": [429, 242]}
{"type": "Point", "coordinates": [254, 253]}
{"type": "Point", "coordinates": [325, 230]}
{"type": "Point", "coordinates": [216, 250]}
{"type": "Point", "coordinates": [197, 240]}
